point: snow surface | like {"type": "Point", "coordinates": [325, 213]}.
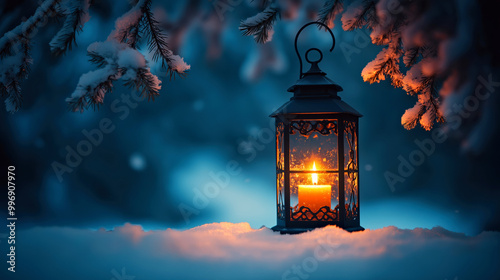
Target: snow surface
{"type": "Point", "coordinates": [236, 251]}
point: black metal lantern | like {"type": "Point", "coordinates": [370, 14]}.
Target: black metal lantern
{"type": "Point", "coordinates": [317, 157]}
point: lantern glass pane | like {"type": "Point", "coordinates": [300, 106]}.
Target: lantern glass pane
{"type": "Point", "coordinates": [313, 141]}
{"type": "Point", "coordinates": [351, 168]}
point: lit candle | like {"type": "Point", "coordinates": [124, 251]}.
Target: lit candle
{"type": "Point", "coordinates": [315, 196]}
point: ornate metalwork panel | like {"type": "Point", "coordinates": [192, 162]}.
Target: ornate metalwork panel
{"type": "Point", "coordinates": [324, 127]}
{"type": "Point", "coordinates": [280, 177]}
{"type": "Point", "coordinates": [324, 214]}
{"type": "Point", "coordinates": [351, 170]}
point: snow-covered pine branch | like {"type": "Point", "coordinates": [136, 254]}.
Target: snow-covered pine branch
{"type": "Point", "coordinates": [261, 25]}
{"type": "Point", "coordinates": [16, 59]}
{"type": "Point", "coordinates": [26, 29]}
{"type": "Point", "coordinates": [77, 14]}
{"type": "Point", "coordinates": [115, 61]}
{"type": "Point", "coordinates": [157, 41]}
{"type": "Point", "coordinates": [15, 54]}
{"type": "Point", "coordinates": [117, 58]}
{"type": "Point", "coordinates": [387, 27]}
{"type": "Point", "coordinates": [330, 10]}
{"type": "Point", "coordinates": [386, 63]}
{"type": "Point", "coordinates": [358, 14]}
{"type": "Point", "coordinates": [411, 56]}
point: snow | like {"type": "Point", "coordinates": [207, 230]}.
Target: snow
{"type": "Point", "coordinates": [9, 67]}
{"type": "Point", "coordinates": [414, 76]}
{"type": "Point", "coordinates": [236, 251]}
{"type": "Point", "coordinates": [177, 64]}
{"type": "Point", "coordinates": [58, 42]}
{"type": "Point", "coordinates": [411, 115]}
{"type": "Point", "coordinates": [117, 56]}
{"type": "Point", "coordinates": [260, 17]}
{"type": "Point", "coordinates": [330, 11]}
{"type": "Point", "coordinates": [127, 21]}
{"type": "Point", "coordinates": [131, 58]}
{"type": "Point", "coordinates": [107, 49]}
{"type": "Point", "coordinates": [91, 80]}
{"type": "Point", "coordinates": [427, 119]}
{"type": "Point", "coordinates": [372, 72]}
{"type": "Point", "coordinates": [30, 24]}
{"type": "Point", "coordinates": [351, 14]}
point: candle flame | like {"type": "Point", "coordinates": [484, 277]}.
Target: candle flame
{"type": "Point", "coordinates": [314, 176]}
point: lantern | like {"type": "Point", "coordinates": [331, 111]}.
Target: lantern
{"type": "Point", "coordinates": [317, 157]}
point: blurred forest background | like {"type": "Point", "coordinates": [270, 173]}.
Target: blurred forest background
{"type": "Point", "coordinates": [161, 152]}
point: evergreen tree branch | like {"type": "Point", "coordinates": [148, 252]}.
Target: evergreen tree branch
{"type": "Point", "coordinates": [92, 88]}
{"type": "Point", "coordinates": [260, 26]}
{"type": "Point", "coordinates": [97, 59]}
{"type": "Point", "coordinates": [76, 16]}
{"type": "Point", "coordinates": [330, 10]}
{"type": "Point", "coordinates": [358, 14]}
{"type": "Point", "coordinates": [157, 39]}
{"type": "Point", "coordinates": [411, 56]}
{"type": "Point", "coordinates": [146, 83]}
{"type": "Point", "coordinates": [8, 40]}
{"type": "Point", "coordinates": [127, 26]}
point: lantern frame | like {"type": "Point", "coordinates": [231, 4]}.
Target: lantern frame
{"type": "Point", "coordinates": [315, 107]}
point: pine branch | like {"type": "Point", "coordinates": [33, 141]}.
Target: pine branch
{"type": "Point", "coordinates": [260, 26]}
{"type": "Point", "coordinates": [386, 63]}
{"type": "Point", "coordinates": [415, 81]}
{"type": "Point", "coordinates": [411, 56]}
{"type": "Point", "coordinates": [426, 111]}
{"type": "Point", "coordinates": [146, 83]}
{"type": "Point", "coordinates": [27, 28]}
{"type": "Point", "coordinates": [26, 61]}
{"type": "Point", "coordinates": [97, 59]}
{"type": "Point", "coordinates": [91, 93]}
{"type": "Point", "coordinates": [330, 10]}
{"type": "Point", "coordinates": [393, 70]}
{"type": "Point", "coordinates": [411, 116]}
{"type": "Point", "coordinates": [14, 98]}
{"type": "Point", "coordinates": [158, 46]}
{"type": "Point", "coordinates": [127, 26]}
{"type": "Point", "coordinates": [76, 17]}
{"type": "Point", "coordinates": [157, 39]}
{"type": "Point", "coordinates": [358, 14]}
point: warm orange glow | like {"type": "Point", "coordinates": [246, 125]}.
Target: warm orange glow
{"type": "Point", "coordinates": [315, 196]}
{"type": "Point", "coordinates": [314, 176]}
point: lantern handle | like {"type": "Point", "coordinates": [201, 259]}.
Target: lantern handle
{"type": "Point", "coordinates": [321, 54]}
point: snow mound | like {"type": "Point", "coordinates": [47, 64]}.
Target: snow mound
{"type": "Point", "coordinates": [236, 251]}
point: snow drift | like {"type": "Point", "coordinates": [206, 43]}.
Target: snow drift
{"type": "Point", "coordinates": [236, 251]}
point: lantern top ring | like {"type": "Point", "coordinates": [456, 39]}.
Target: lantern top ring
{"type": "Point", "coordinates": [297, 50]}
{"type": "Point", "coordinates": [320, 55]}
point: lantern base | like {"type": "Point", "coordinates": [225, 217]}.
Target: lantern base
{"type": "Point", "coordinates": [284, 230]}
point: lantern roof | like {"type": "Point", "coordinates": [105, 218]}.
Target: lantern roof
{"type": "Point", "coordinates": [314, 93]}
